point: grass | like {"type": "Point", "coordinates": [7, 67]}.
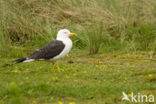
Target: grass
{"type": "Point", "coordinates": [131, 22]}
{"type": "Point", "coordinates": [96, 37]}
{"type": "Point", "coordinates": [90, 79]}
{"type": "Point", "coordinates": [120, 36]}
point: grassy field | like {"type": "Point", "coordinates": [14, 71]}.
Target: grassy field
{"type": "Point", "coordinates": [114, 51]}
{"type": "Point", "coordinates": [83, 79]}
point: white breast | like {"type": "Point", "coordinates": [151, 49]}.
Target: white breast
{"type": "Point", "coordinates": [67, 48]}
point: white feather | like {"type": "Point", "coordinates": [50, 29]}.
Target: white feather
{"type": "Point", "coordinates": [29, 60]}
{"type": "Point", "coordinates": [68, 46]}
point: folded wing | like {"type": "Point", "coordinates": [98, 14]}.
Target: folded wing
{"type": "Point", "coordinates": [48, 51]}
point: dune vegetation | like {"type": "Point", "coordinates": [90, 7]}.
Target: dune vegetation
{"type": "Point", "coordinates": [113, 52]}
{"type": "Point", "coordinates": [129, 23]}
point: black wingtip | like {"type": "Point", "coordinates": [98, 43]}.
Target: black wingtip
{"type": "Point", "coordinates": [20, 60]}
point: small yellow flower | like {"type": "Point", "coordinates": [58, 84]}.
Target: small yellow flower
{"type": "Point", "coordinates": [34, 102]}
{"type": "Point", "coordinates": [60, 102]}
{"type": "Point", "coordinates": [120, 77]}
{"type": "Point", "coordinates": [150, 75]}
{"type": "Point", "coordinates": [125, 78]}
{"type": "Point", "coordinates": [54, 78]}
{"type": "Point", "coordinates": [28, 69]}
{"type": "Point", "coordinates": [74, 74]}
{"type": "Point", "coordinates": [129, 95]}
{"type": "Point", "coordinates": [72, 103]}
{"type": "Point", "coordinates": [62, 69]}
{"type": "Point", "coordinates": [75, 80]}
{"type": "Point", "coordinates": [84, 72]}
{"type": "Point", "coordinates": [16, 71]}
{"type": "Point", "coordinates": [67, 76]}
{"type": "Point", "coordinates": [100, 62]}
{"type": "Point", "coordinates": [27, 77]}
{"type": "Point", "coordinates": [103, 66]}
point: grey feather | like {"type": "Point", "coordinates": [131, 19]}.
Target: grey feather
{"type": "Point", "coordinates": [48, 51]}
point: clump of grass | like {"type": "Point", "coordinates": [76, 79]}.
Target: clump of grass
{"type": "Point", "coordinates": [37, 17]}
{"type": "Point", "coordinates": [141, 37]}
{"type": "Point", "coordinates": [96, 36]}
{"type": "Point", "coordinates": [4, 44]}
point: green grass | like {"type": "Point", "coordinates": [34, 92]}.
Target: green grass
{"type": "Point", "coordinates": [89, 79]}
{"type": "Point", "coordinates": [128, 22]}
{"type": "Point", "coordinates": [96, 37]}
{"type": "Point", "coordinates": [121, 34]}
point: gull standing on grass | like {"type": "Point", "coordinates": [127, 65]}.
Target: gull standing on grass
{"type": "Point", "coordinates": [53, 50]}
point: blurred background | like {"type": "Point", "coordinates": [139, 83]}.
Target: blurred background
{"type": "Point", "coordinates": [101, 25]}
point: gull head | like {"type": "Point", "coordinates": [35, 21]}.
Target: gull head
{"type": "Point", "coordinates": [65, 33]}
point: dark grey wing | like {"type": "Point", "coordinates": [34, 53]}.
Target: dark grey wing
{"type": "Point", "coordinates": [48, 51]}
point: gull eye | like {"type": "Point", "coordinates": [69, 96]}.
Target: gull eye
{"type": "Point", "coordinates": [65, 32]}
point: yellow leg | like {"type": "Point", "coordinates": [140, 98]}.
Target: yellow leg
{"type": "Point", "coordinates": [53, 66]}
{"type": "Point", "coordinates": [58, 68]}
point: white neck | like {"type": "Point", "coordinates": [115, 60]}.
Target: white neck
{"type": "Point", "coordinates": [62, 38]}
{"type": "Point", "coordinates": [68, 46]}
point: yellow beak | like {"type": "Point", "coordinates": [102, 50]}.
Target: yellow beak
{"type": "Point", "coordinates": [72, 34]}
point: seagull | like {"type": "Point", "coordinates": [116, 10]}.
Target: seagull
{"type": "Point", "coordinates": [54, 50]}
